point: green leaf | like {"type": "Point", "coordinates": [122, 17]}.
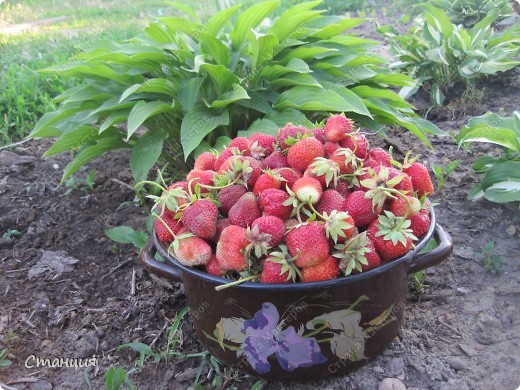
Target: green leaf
{"type": "Point", "coordinates": [293, 19]}
{"type": "Point", "coordinates": [217, 21]}
{"type": "Point", "coordinates": [290, 115]}
{"type": "Point", "coordinates": [215, 48]}
{"type": "Point", "coordinates": [197, 124]}
{"type": "Point", "coordinates": [260, 126]}
{"type": "Point", "coordinates": [437, 18]}
{"type": "Point", "coordinates": [222, 77]}
{"type": "Point", "coordinates": [102, 146]}
{"type": "Point", "coordinates": [249, 19]}
{"type": "Point", "coordinates": [262, 48]}
{"type": "Point", "coordinates": [72, 140]}
{"type": "Point", "coordinates": [127, 235]}
{"type": "Point", "coordinates": [114, 378]}
{"type": "Point", "coordinates": [292, 79]}
{"type": "Point", "coordinates": [236, 93]}
{"type": "Point", "coordinates": [157, 85]}
{"type": "Point", "coordinates": [485, 133]}
{"type": "Point", "coordinates": [143, 111]}
{"type": "Point", "coordinates": [182, 25]}
{"type": "Point", "coordinates": [436, 95]}
{"type": "Point", "coordinates": [145, 153]}
{"type": "Point", "coordinates": [334, 29]}
{"type": "Point", "coordinates": [189, 93]}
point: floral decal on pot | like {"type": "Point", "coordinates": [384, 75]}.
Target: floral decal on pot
{"type": "Point", "coordinates": [266, 334]}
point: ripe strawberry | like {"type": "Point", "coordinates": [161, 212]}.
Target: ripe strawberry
{"type": "Point", "coordinates": [279, 267]}
{"type": "Point", "coordinates": [224, 155]}
{"type": "Point", "coordinates": [242, 144]}
{"type": "Point", "coordinates": [200, 218]}
{"type": "Point", "coordinates": [360, 208]}
{"type": "Point", "coordinates": [309, 242]}
{"type": "Point", "coordinates": [275, 160]}
{"type": "Point", "coordinates": [261, 145]}
{"type": "Point", "coordinates": [329, 148]}
{"type": "Point", "coordinates": [346, 159]}
{"type": "Point", "coordinates": [377, 157]}
{"type": "Point", "coordinates": [339, 226]}
{"type": "Point", "coordinates": [191, 250]}
{"type": "Point", "coordinates": [303, 153]}
{"type": "Point", "coordinates": [357, 254]}
{"type": "Point", "coordinates": [289, 175]}
{"type": "Point", "coordinates": [287, 135]}
{"type": "Point", "coordinates": [163, 225]}
{"type": "Point", "coordinates": [311, 172]}
{"type": "Point", "coordinates": [319, 134]}
{"type": "Point", "coordinates": [336, 127]}
{"type": "Point", "coordinates": [421, 180]}
{"type": "Point", "coordinates": [372, 257]}
{"type": "Point", "coordinates": [271, 202]}
{"type": "Point", "coordinates": [391, 236]}
{"type": "Point", "coordinates": [326, 270]}
{"type": "Point", "coordinates": [420, 223]}
{"type": "Point", "coordinates": [331, 200]}
{"type": "Point", "coordinates": [273, 226]}
{"type": "Point", "coordinates": [242, 168]}
{"type": "Point", "coordinates": [205, 178]}
{"type": "Point", "coordinates": [221, 225]}
{"type": "Point", "coordinates": [231, 249]}
{"type": "Point", "coordinates": [205, 161]}
{"type": "Point", "coordinates": [343, 187]}
{"type": "Point", "coordinates": [399, 206]}
{"type": "Point", "coordinates": [308, 189]}
{"type": "Point", "coordinates": [358, 143]}
{"type": "Point", "coordinates": [245, 210]}
{"type": "Point", "coordinates": [267, 180]}
{"type": "Point", "coordinates": [176, 195]}
{"type": "Point", "coordinates": [405, 185]}
{"type": "Point", "coordinates": [213, 268]}
{"type": "Point", "coordinates": [228, 196]}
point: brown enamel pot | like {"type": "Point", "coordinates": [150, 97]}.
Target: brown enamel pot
{"type": "Point", "coordinates": [303, 331]}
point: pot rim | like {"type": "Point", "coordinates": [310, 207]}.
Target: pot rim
{"type": "Point", "coordinates": [409, 256]}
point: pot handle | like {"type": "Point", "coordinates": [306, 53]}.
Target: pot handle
{"type": "Point", "coordinates": [434, 257]}
{"type": "Point", "coordinates": [152, 265]}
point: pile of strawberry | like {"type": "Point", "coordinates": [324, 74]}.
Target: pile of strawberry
{"type": "Point", "coordinates": [302, 206]}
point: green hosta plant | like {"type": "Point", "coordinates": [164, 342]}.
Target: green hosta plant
{"type": "Point", "coordinates": [469, 12]}
{"type": "Point", "coordinates": [193, 84]}
{"type": "Point", "coordinates": [501, 180]}
{"type": "Point", "coordinates": [441, 55]}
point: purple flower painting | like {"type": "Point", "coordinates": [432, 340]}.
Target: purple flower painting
{"type": "Point", "coordinates": [264, 339]}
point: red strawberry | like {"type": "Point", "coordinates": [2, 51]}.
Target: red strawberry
{"type": "Point", "coordinates": [390, 236]}
{"type": "Point", "coordinates": [242, 144]}
{"type": "Point", "coordinates": [358, 143]}
{"type": "Point", "coordinates": [228, 196]}
{"type": "Point", "coordinates": [309, 242]}
{"type": "Point", "coordinates": [311, 172]}
{"type": "Point", "coordinates": [200, 218]}
{"type": "Point", "coordinates": [336, 127]}
{"type": "Point", "coordinates": [290, 133]}
{"type": "Point", "coordinates": [273, 226]}
{"type": "Point", "coordinates": [303, 153]}
{"type": "Point", "coordinates": [308, 189]}
{"type": "Point", "coordinates": [191, 250]}
{"type": "Point", "coordinates": [331, 200]}
{"type": "Point", "coordinates": [231, 249]}
{"type": "Point", "coordinates": [405, 185]}
{"type": "Point", "coordinates": [205, 178]}
{"type": "Point", "coordinates": [360, 208]}
{"type": "Point", "coordinates": [226, 153]}
{"type": "Point", "coordinates": [289, 175]}
{"type": "Point", "coordinates": [420, 223]}
{"type": "Point", "coordinates": [372, 257]}
{"type": "Point", "coordinates": [272, 273]}
{"type": "Point", "coordinates": [221, 225]}
{"type": "Point", "coordinates": [358, 254]}
{"type": "Point", "coordinates": [163, 225]}
{"type": "Point", "coordinates": [245, 210]}
{"type": "Point", "coordinates": [176, 195]}
{"type": "Point", "coordinates": [421, 180]}
{"type": "Point", "coordinates": [319, 134]}
{"type": "Point", "coordinates": [275, 160]}
{"type": "Point", "coordinates": [399, 206]}
{"type": "Point", "coordinates": [377, 157]}
{"type": "Point", "coordinates": [213, 268]}
{"type": "Point", "coordinates": [346, 159]}
{"type": "Point", "coordinates": [326, 270]}
{"type": "Point", "coordinates": [205, 161]}
{"type": "Point", "coordinates": [243, 168]}
{"type": "Point", "coordinates": [329, 148]}
{"type": "Point", "coordinates": [271, 202]}
{"type": "Point", "coordinates": [339, 226]}
{"type": "Point", "coordinates": [343, 187]}
{"type": "Point", "coordinates": [261, 145]}
{"type": "Point", "coordinates": [265, 181]}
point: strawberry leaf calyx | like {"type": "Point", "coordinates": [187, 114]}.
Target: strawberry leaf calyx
{"type": "Point", "coordinates": [395, 229]}
{"type": "Point", "coordinates": [352, 254]}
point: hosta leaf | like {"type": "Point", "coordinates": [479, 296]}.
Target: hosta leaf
{"type": "Point", "coordinates": [294, 20]}
{"type": "Point", "coordinates": [145, 153]}
{"type": "Point", "coordinates": [259, 102]}
{"type": "Point", "coordinates": [143, 111]}
{"type": "Point", "coordinates": [436, 95]}
{"type": "Point", "coordinates": [181, 24]}
{"type": "Point", "coordinates": [158, 85]}
{"type": "Point", "coordinates": [47, 125]}
{"type": "Point", "coordinates": [72, 140]}
{"type": "Point", "coordinates": [282, 117]}
{"type": "Point", "coordinates": [292, 79]}
{"type": "Point", "coordinates": [307, 52]}
{"type": "Point", "coordinates": [501, 184]}
{"type": "Point", "coordinates": [260, 126]}
{"type": "Point", "coordinates": [249, 19]}
{"type": "Point", "coordinates": [189, 93]}
{"type": "Point", "coordinates": [217, 21]}
{"type": "Point", "coordinates": [222, 77]}
{"type": "Point", "coordinates": [236, 93]}
{"type": "Point", "coordinates": [262, 48]}
{"type": "Point", "coordinates": [102, 146]}
{"type": "Point", "coordinates": [335, 29]}
{"type": "Point", "coordinates": [491, 66]}
{"type": "Point", "coordinates": [215, 48]}
{"type": "Point", "coordinates": [486, 133]}
{"type": "Point", "coordinates": [198, 123]}
{"type": "Point", "coordinates": [437, 18]}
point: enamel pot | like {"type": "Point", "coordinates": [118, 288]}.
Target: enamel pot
{"type": "Point", "coordinates": [302, 331]}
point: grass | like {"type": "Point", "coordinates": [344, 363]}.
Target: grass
{"type": "Point", "coordinates": [25, 93]}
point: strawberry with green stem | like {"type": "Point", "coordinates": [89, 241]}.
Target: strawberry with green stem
{"type": "Point", "coordinates": [339, 225]}
{"type": "Point", "coordinates": [327, 169]}
{"type": "Point", "coordinates": [357, 254]}
{"type": "Point", "coordinates": [279, 267]}
{"type": "Point", "coordinates": [381, 186]}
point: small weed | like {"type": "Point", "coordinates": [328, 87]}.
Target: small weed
{"type": "Point", "coordinates": [10, 234]}
{"type": "Point", "coordinates": [127, 235]}
{"type": "Point", "coordinates": [443, 173]}
{"type": "Point", "coordinates": [4, 362]}
{"type": "Point", "coordinates": [114, 379]}
{"type": "Point", "coordinates": [418, 280]}
{"type": "Point", "coordinates": [492, 261]}
{"type": "Point", "coordinates": [86, 184]}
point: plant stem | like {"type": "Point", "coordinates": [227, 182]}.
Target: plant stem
{"type": "Point", "coordinates": [236, 282]}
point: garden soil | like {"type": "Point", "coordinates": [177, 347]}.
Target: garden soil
{"type": "Point", "coordinates": [461, 332]}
